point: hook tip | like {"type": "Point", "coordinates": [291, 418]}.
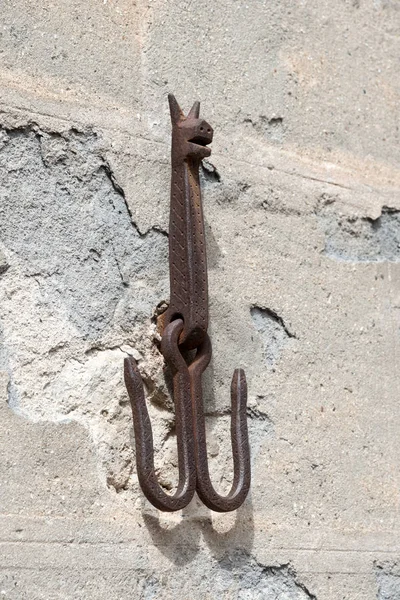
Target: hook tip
{"type": "Point", "coordinates": [130, 368]}
{"type": "Point", "coordinates": [239, 388]}
{"type": "Point", "coordinates": [239, 375]}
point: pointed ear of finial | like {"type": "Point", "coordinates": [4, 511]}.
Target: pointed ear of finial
{"type": "Point", "coordinates": [194, 111]}
{"type": "Point", "coordinates": [174, 109]}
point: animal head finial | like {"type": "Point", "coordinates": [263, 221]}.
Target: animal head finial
{"type": "Point", "coordinates": [190, 134]}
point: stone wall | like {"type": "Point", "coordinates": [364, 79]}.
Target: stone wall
{"type": "Point", "coordinates": [302, 210]}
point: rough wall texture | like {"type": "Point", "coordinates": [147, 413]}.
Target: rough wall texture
{"type": "Point", "coordinates": [302, 208]}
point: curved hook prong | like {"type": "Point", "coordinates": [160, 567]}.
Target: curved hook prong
{"type": "Point", "coordinates": [184, 428]}
{"type": "Point", "coordinates": [239, 437]}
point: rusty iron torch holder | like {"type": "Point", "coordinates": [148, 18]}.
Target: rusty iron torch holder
{"type": "Point", "coordinates": [184, 327]}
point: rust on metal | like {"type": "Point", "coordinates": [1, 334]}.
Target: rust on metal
{"type": "Point", "coordinates": [184, 327]}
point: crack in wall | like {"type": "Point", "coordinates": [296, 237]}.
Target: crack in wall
{"type": "Point", "coordinates": [210, 171]}
{"type": "Point", "coordinates": [273, 331]}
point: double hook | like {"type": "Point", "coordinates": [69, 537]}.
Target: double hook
{"type": "Point", "coordinates": [183, 327]}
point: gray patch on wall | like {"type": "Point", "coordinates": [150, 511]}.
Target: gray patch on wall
{"type": "Point", "coordinates": [81, 284]}
{"type": "Point", "coordinates": [256, 581]}
{"type": "Point", "coordinates": [273, 332]}
{"type": "Point", "coordinates": [388, 578]}
{"type": "Point", "coordinates": [361, 239]}
{"type": "Point", "coordinates": [237, 577]}
{"type": "Point", "coordinates": [66, 223]}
